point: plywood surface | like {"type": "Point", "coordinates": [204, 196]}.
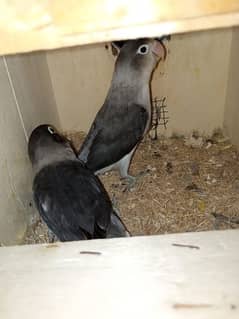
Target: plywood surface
{"type": "Point", "coordinates": [31, 25]}
{"type": "Point", "coordinates": [192, 275]}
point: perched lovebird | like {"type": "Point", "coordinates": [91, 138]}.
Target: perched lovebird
{"type": "Point", "coordinates": [125, 116]}
{"type": "Point", "coordinates": [70, 198]}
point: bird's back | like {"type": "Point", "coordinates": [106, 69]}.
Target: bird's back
{"type": "Point", "coordinates": [72, 201]}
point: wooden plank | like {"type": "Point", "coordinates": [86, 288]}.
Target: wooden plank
{"type": "Point", "coordinates": [28, 25]}
{"type": "Point", "coordinates": [193, 275]}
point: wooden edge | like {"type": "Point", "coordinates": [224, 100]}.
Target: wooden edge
{"type": "Point", "coordinates": [49, 38]}
{"type": "Point", "coordinates": [192, 275]}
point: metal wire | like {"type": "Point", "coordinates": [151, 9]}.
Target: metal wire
{"type": "Point", "coordinates": [159, 116]}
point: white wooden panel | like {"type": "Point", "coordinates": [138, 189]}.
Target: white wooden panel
{"type": "Point", "coordinates": [140, 277]}
{"type": "Point", "coordinates": [31, 25]}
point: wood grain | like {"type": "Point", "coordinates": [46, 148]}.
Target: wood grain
{"type": "Point", "coordinates": [28, 25]}
{"type": "Point", "coordinates": [139, 277]}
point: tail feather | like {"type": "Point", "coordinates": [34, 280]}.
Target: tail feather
{"type": "Point", "coordinates": [117, 227]}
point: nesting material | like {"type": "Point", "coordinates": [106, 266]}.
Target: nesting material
{"type": "Point", "coordinates": [186, 187]}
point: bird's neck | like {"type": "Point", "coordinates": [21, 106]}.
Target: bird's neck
{"type": "Point", "coordinates": [132, 87]}
{"type": "Point", "coordinates": [58, 155]}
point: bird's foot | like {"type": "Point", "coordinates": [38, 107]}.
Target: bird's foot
{"type": "Point", "coordinates": [132, 180]}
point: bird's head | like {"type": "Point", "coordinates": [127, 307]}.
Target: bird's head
{"type": "Point", "coordinates": [47, 145]}
{"type": "Point", "coordinates": [139, 57]}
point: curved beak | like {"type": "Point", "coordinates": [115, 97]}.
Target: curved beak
{"type": "Point", "coordinates": [159, 49]}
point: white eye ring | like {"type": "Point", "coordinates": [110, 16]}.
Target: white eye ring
{"type": "Point", "coordinates": [50, 130]}
{"type": "Point", "coordinates": [143, 49]}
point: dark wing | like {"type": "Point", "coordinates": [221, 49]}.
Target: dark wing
{"type": "Point", "coordinates": [113, 135]}
{"type": "Point", "coordinates": [72, 201]}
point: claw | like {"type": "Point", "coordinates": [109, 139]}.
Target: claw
{"type": "Point", "coordinates": [115, 204]}
{"type": "Point", "coordinates": [52, 237]}
{"type": "Point", "coordinates": [132, 180]}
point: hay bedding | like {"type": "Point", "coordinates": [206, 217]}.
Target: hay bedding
{"type": "Point", "coordinates": [190, 185]}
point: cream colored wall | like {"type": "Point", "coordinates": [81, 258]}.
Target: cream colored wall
{"type": "Point", "coordinates": [193, 79]}
{"type": "Point", "coordinates": [232, 99]}
{"type": "Point", "coordinates": [26, 100]}
{"type": "Point", "coordinates": [32, 85]}
{"type": "Point", "coordinates": [80, 79]}
{"type": "Point", "coordinates": [15, 176]}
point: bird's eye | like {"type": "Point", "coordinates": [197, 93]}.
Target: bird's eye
{"type": "Point", "coordinates": [51, 130]}
{"type": "Point", "coordinates": [143, 49]}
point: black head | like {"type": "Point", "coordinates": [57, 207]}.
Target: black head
{"type": "Point", "coordinates": [140, 55]}
{"type": "Point", "coordinates": [44, 141]}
